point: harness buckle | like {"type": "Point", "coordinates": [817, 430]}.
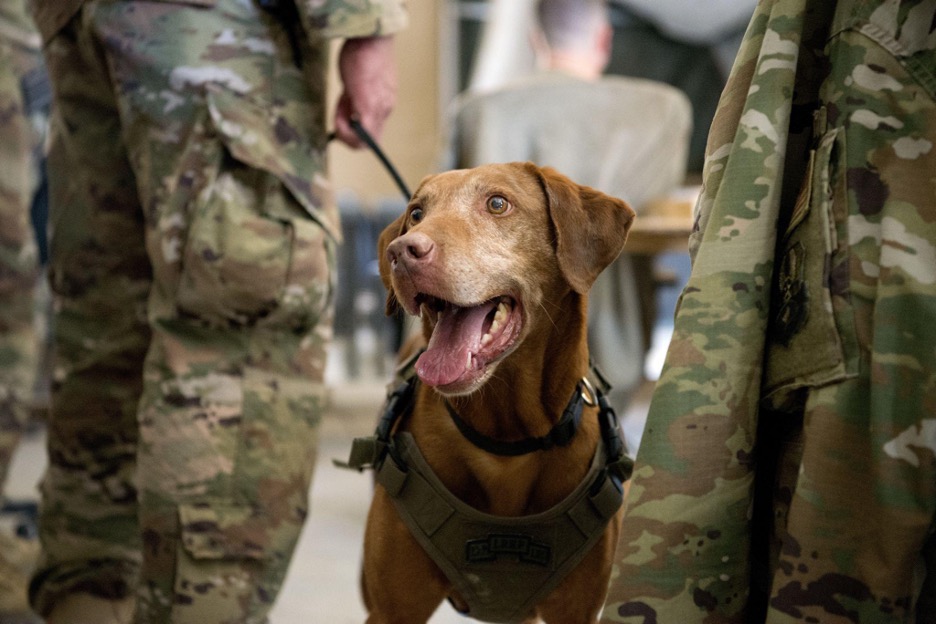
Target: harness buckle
{"type": "Point", "coordinates": [365, 453]}
{"type": "Point", "coordinates": [370, 452]}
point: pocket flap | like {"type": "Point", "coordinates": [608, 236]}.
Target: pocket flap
{"type": "Point", "coordinates": [811, 341]}
{"type": "Point", "coordinates": [255, 137]}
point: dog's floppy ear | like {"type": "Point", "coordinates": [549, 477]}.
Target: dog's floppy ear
{"type": "Point", "coordinates": [591, 227]}
{"type": "Point", "coordinates": [386, 237]}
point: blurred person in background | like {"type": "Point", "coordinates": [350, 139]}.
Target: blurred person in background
{"type": "Point", "coordinates": [689, 45]}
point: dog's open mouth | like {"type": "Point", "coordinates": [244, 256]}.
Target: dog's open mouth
{"type": "Point", "coordinates": [466, 340]}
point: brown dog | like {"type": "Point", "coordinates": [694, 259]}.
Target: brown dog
{"type": "Point", "coordinates": [497, 261]}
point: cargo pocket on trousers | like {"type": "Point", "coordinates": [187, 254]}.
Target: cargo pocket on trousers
{"type": "Point", "coordinates": [811, 330]}
{"type": "Point", "coordinates": [225, 531]}
{"type": "Point", "coordinates": [234, 557]}
{"type": "Point", "coordinates": [260, 246]}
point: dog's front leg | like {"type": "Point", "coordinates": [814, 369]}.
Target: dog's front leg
{"type": "Point", "coordinates": [401, 583]}
{"type": "Point", "coordinates": [578, 599]}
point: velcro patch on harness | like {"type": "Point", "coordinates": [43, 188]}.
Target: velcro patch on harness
{"type": "Point", "coordinates": [523, 548]}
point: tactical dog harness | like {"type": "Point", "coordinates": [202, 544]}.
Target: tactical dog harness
{"type": "Point", "coordinates": [501, 566]}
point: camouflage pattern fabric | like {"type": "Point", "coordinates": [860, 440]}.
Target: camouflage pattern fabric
{"type": "Point", "coordinates": [320, 18]}
{"type": "Point", "coordinates": [19, 54]}
{"type": "Point", "coordinates": [788, 468]}
{"type": "Point", "coordinates": [17, 26]}
{"type": "Point", "coordinates": [192, 261]}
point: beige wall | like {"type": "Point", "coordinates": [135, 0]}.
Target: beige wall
{"type": "Point", "coordinates": [411, 137]}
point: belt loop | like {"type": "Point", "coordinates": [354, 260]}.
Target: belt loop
{"type": "Point", "coordinates": [820, 121]}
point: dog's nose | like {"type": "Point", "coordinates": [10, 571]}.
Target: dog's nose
{"type": "Point", "coordinates": [412, 247]}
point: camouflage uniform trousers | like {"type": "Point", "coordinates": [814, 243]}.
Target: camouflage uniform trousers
{"type": "Point", "coordinates": [19, 268]}
{"type": "Point", "coordinates": [835, 413]}
{"type": "Point", "coordinates": [192, 255]}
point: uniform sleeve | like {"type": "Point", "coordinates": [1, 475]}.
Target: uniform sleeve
{"type": "Point", "coordinates": [353, 18]}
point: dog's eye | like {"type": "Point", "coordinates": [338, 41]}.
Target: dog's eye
{"type": "Point", "coordinates": [497, 205]}
{"type": "Point", "coordinates": [416, 214]}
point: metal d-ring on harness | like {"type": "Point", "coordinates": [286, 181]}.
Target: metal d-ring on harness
{"type": "Point", "coordinates": [500, 566]}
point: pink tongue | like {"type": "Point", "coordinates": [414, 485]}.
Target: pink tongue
{"type": "Point", "coordinates": [456, 335]}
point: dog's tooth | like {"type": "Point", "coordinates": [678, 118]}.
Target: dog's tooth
{"type": "Point", "coordinates": [499, 315]}
{"type": "Point", "coordinates": [496, 323]}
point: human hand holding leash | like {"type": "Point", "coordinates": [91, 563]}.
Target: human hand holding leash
{"type": "Point", "coordinates": [368, 72]}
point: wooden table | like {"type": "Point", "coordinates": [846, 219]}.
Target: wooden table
{"type": "Point", "coordinates": [664, 224]}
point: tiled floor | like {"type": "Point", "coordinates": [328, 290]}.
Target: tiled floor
{"type": "Point", "coordinates": [322, 585]}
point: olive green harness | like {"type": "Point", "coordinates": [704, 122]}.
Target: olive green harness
{"type": "Point", "coordinates": [501, 566]}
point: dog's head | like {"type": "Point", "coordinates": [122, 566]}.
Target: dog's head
{"type": "Point", "coordinates": [484, 254]}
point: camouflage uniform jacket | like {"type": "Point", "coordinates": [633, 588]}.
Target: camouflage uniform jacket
{"type": "Point", "coordinates": [787, 472]}
{"type": "Point", "coordinates": [16, 25]}
{"type": "Point", "coordinates": [326, 18]}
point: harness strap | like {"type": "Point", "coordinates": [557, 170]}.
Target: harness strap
{"type": "Point", "coordinates": [370, 452]}
{"type": "Point", "coordinates": [619, 466]}
{"type": "Point", "coordinates": [501, 566]}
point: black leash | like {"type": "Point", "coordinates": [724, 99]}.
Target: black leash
{"type": "Point", "coordinates": [365, 136]}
